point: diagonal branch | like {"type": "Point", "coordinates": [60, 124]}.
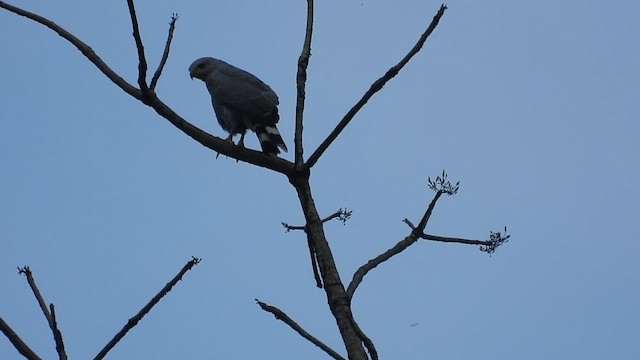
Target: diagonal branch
{"type": "Point", "coordinates": [373, 263]}
{"type": "Point", "coordinates": [49, 313]}
{"type": "Point", "coordinates": [36, 292]}
{"type": "Point", "coordinates": [145, 310]}
{"type": "Point", "coordinates": [142, 61]}
{"type": "Point", "coordinates": [301, 79]}
{"type": "Point", "coordinates": [375, 87]}
{"type": "Point", "coordinates": [17, 343]}
{"type": "Point", "coordinates": [85, 49]}
{"type": "Point", "coordinates": [165, 54]}
{"type": "Point", "coordinates": [280, 315]}
{"type": "Point", "coordinates": [57, 335]}
{"type": "Point", "coordinates": [397, 249]}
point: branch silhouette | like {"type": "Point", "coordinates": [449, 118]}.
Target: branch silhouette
{"type": "Point", "coordinates": [280, 315]}
{"type": "Point", "coordinates": [375, 87]}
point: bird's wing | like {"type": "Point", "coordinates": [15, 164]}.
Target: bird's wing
{"type": "Point", "coordinates": [242, 92]}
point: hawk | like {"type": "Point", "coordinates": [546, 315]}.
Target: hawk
{"type": "Point", "coordinates": [241, 101]}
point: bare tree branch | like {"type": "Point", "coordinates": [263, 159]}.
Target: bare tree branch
{"type": "Point", "coordinates": [48, 312]}
{"type": "Point", "coordinates": [280, 315]}
{"type": "Point", "coordinates": [57, 335]}
{"type": "Point", "coordinates": [36, 292]}
{"type": "Point", "coordinates": [145, 310]}
{"type": "Point", "coordinates": [17, 342]}
{"type": "Point", "coordinates": [342, 214]}
{"type": "Point", "coordinates": [301, 79]}
{"type": "Point", "coordinates": [142, 61]}
{"type": "Point", "coordinates": [165, 54]}
{"type": "Point", "coordinates": [366, 341]}
{"type": "Point", "coordinates": [150, 99]}
{"type": "Point", "coordinates": [375, 87]}
{"type": "Point", "coordinates": [397, 249]}
{"type": "Point", "coordinates": [84, 49]}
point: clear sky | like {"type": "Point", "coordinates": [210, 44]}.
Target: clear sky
{"type": "Point", "coordinates": [534, 106]}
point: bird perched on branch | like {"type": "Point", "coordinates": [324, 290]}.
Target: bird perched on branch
{"type": "Point", "coordinates": [241, 101]}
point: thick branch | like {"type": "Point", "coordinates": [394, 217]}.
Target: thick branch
{"type": "Point", "coordinates": [339, 302]}
{"type": "Point", "coordinates": [375, 87]}
{"type": "Point", "coordinates": [280, 315]}
{"type": "Point", "coordinates": [142, 61]}
{"type": "Point", "coordinates": [145, 310]}
{"type": "Point", "coordinates": [84, 49]}
{"type": "Point", "coordinates": [165, 54]}
{"type": "Point", "coordinates": [17, 343]}
{"type": "Point", "coordinates": [301, 79]}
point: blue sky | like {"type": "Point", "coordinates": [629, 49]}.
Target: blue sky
{"type": "Point", "coordinates": [532, 105]}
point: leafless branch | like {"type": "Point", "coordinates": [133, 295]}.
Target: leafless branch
{"type": "Point", "coordinates": [375, 87]}
{"type": "Point", "coordinates": [36, 292]}
{"type": "Point", "coordinates": [145, 310]}
{"type": "Point", "coordinates": [301, 79]}
{"type": "Point", "coordinates": [142, 61]}
{"type": "Point", "coordinates": [84, 48]}
{"type": "Point", "coordinates": [57, 335]}
{"type": "Point", "coordinates": [416, 232]}
{"type": "Point", "coordinates": [165, 54]}
{"type": "Point", "coordinates": [373, 263]}
{"type": "Point", "coordinates": [17, 342]}
{"type": "Point", "coordinates": [48, 312]}
{"type": "Point", "coordinates": [365, 340]}
{"type": "Point", "coordinates": [342, 214]}
{"type": "Point", "coordinates": [280, 315]}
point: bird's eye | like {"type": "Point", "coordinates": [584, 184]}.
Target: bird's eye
{"type": "Point", "coordinates": [200, 66]}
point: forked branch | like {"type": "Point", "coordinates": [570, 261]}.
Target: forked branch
{"type": "Point", "coordinates": [49, 313]}
{"type": "Point", "coordinates": [280, 315]}
{"type": "Point", "coordinates": [375, 87]}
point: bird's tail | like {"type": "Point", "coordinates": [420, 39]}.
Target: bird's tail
{"type": "Point", "coordinates": [270, 139]}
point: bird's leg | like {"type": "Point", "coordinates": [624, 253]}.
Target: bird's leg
{"type": "Point", "coordinates": [241, 142]}
{"type": "Point", "coordinates": [230, 138]}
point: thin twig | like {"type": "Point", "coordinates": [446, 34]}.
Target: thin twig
{"type": "Point", "coordinates": [85, 49]}
{"type": "Point", "coordinates": [142, 61]}
{"type": "Point", "coordinates": [280, 315]}
{"type": "Point", "coordinates": [455, 240]}
{"type": "Point", "coordinates": [301, 80]}
{"type": "Point", "coordinates": [57, 335]}
{"type": "Point", "coordinates": [342, 215]}
{"type": "Point", "coordinates": [36, 292]}
{"type": "Point", "coordinates": [48, 312]}
{"type": "Point", "coordinates": [17, 342]}
{"type": "Point", "coordinates": [375, 87]}
{"type": "Point", "coordinates": [145, 310]}
{"type": "Point", "coordinates": [165, 54]}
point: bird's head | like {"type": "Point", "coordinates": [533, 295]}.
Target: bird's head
{"type": "Point", "coordinates": [201, 68]}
